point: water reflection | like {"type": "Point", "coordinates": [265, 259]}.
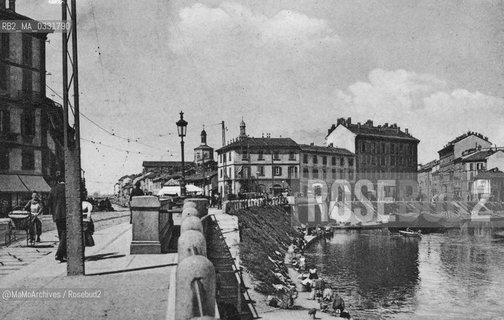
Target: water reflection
{"type": "Point", "coordinates": [444, 276]}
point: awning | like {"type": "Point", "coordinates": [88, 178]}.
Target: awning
{"type": "Point", "coordinates": [35, 183]}
{"type": "Point", "coordinates": [11, 183]}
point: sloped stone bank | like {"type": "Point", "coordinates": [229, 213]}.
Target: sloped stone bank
{"type": "Point", "coordinates": [266, 233]}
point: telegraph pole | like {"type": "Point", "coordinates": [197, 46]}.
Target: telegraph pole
{"type": "Point", "coordinates": [223, 134]}
{"type": "Point", "coordinates": [75, 241]}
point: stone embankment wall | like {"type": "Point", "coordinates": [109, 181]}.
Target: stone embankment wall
{"type": "Point", "coordinates": [266, 233]}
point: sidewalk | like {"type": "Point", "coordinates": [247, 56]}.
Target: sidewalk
{"type": "Point", "coordinates": [125, 286]}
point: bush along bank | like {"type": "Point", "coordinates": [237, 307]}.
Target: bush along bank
{"type": "Point", "coordinates": [266, 233]}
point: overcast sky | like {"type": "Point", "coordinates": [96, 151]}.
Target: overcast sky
{"type": "Point", "coordinates": [288, 67]}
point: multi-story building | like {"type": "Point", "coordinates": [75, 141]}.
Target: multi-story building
{"type": "Point", "coordinates": [31, 125]}
{"type": "Point", "coordinates": [324, 163]}
{"type": "Point", "coordinates": [428, 180]}
{"type": "Point", "coordinates": [455, 160]}
{"type": "Point", "coordinates": [258, 165]}
{"type": "Point", "coordinates": [382, 152]}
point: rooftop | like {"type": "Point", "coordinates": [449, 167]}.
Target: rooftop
{"type": "Point", "coordinates": [490, 175]}
{"type": "Point", "coordinates": [324, 149]}
{"type": "Point", "coordinates": [257, 143]}
{"type": "Point", "coordinates": [428, 166]}
{"type": "Point", "coordinates": [479, 155]}
{"type": "Point", "coordinates": [368, 129]}
{"type": "Point", "coordinates": [465, 135]}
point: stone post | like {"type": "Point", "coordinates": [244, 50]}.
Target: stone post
{"type": "Point", "coordinates": [145, 219]}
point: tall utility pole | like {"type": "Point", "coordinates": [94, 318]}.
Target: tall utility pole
{"type": "Point", "coordinates": [223, 134]}
{"type": "Point", "coordinates": [75, 242]}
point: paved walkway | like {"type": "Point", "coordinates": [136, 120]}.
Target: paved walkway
{"type": "Point", "coordinates": [120, 285]}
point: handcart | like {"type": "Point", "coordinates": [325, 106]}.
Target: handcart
{"type": "Point", "coordinates": [20, 221]}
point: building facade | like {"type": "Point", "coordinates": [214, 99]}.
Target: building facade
{"type": "Point", "coordinates": [382, 152]}
{"type": "Point", "coordinates": [31, 125]}
{"type": "Point", "coordinates": [459, 161]}
{"type": "Point", "coordinates": [263, 165]}
{"type": "Point", "coordinates": [325, 164]}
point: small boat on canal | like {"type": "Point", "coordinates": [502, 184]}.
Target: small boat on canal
{"type": "Point", "coordinates": [410, 233]}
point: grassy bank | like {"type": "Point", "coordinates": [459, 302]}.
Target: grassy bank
{"type": "Point", "coordinates": [266, 234]}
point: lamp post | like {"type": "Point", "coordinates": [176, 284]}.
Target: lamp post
{"type": "Point", "coordinates": [182, 130]}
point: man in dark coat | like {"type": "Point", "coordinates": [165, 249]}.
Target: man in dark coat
{"type": "Point", "coordinates": [57, 206]}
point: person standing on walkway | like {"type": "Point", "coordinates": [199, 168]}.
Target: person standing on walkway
{"type": "Point", "coordinates": [57, 206]}
{"type": "Point", "coordinates": [136, 192]}
{"type": "Point", "coordinates": [34, 206]}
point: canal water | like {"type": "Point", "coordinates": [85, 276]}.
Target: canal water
{"type": "Point", "coordinates": [454, 275]}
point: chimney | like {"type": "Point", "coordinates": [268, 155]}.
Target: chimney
{"type": "Point", "coordinates": [358, 125]}
{"type": "Point", "coordinates": [398, 129]}
{"type": "Point", "coordinates": [312, 144]}
{"type": "Point", "coordinates": [369, 123]}
{"type": "Point", "coordinates": [12, 5]}
{"type": "Point", "coordinates": [385, 125]}
{"type": "Point", "coordinates": [341, 121]}
{"type": "Point", "coordinates": [406, 130]}
{"type": "Point", "coordinates": [331, 145]}
{"type": "Point", "coordinates": [349, 121]}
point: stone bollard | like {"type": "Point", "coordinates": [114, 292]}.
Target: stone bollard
{"type": "Point", "coordinates": [191, 242]}
{"type": "Point", "coordinates": [201, 205]}
{"type": "Point", "coordinates": [190, 212]}
{"type": "Point", "coordinates": [192, 271]}
{"type": "Point", "coordinates": [191, 223]}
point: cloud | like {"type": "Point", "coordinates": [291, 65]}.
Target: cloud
{"type": "Point", "coordinates": [232, 26]}
{"type": "Point", "coordinates": [433, 111]}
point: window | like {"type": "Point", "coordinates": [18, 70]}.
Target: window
{"type": "Point", "coordinates": [305, 158]}
{"type": "Point", "coordinates": [229, 173]}
{"type": "Point", "coordinates": [3, 77]}
{"type": "Point", "coordinates": [27, 50]}
{"type": "Point", "coordinates": [351, 174]}
{"type": "Point", "coordinates": [392, 161]}
{"type": "Point", "coordinates": [324, 174]}
{"type": "Point", "coordinates": [305, 173]}
{"type": "Point", "coordinates": [363, 147]}
{"type": "Point", "coordinates": [383, 147]}
{"type": "Point", "coordinates": [292, 172]}
{"type": "Point", "coordinates": [277, 171]}
{"type": "Point", "coordinates": [471, 166]}
{"type": "Point", "coordinates": [244, 155]}
{"type": "Point", "coordinates": [4, 159]}
{"type": "Point", "coordinates": [28, 123]}
{"type": "Point", "coordinates": [261, 155]}
{"type": "Point", "coordinates": [392, 148]}
{"type": "Point", "coordinates": [341, 173]}
{"type": "Point", "coordinates": [382, 160]}
{"type": "Point", "coordinates": [276, 155]}
{"type": "Point", "coordinates": [334, 174]}
{"type": "Point", "coordinates": [315, 173]}
{"type": "Point", "coordinates": [324, 160]}
{"type": "Point", "coordinates": [260, 171]}
{"type": "Point", "coordinates": [342, 161]}
{"type": "Point", "coordinates": [333, 161]}
{"type": "Point", "coordinates": [229, 156]}
{"type": "Point", "coordinates": [221, 173]}
{"type": "Point", "coordinates": [292, 155]}
{"type": "Point", "coordinates": [27, 81]}
{"type": "Point", "coordinates": [315, 160]}
{"type": "Point", "coordinates": [28, 160]}
{"type": "Point", "coordinates": [4, 121]}
{"type": "Point", "coordinates": [4, 48]}
{"type": "Point", "coordinates": [350, 162]}
{"type": "Point", "coordinates": [220, 158]}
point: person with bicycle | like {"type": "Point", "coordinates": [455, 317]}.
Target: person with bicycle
{"type": "Point", "coordinates": [34, 206]}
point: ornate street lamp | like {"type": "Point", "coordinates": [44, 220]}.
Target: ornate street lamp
{"type": "Point", "coordinates": [182, 130]}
